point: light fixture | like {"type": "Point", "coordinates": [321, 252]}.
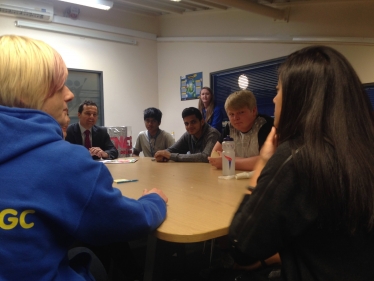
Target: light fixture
{"type": "Point", "coordinates": [86, 33]}
{"type": "Point", "coordinates": [103, 27]}
{"type": "Point", "coordinates": [285, 39]}
{"type": "Point", "coordinates": [98, 4]}
{"type": "Point", "coordinates": [243, 81]}
{"type": "Point", "coordinates": [176, 0]}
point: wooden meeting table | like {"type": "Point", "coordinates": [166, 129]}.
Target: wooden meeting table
{"type": "Point", "coordinates": [200, 205]}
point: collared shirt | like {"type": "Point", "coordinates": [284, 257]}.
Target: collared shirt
{"type": "Point", "coordinates": [163, 141]}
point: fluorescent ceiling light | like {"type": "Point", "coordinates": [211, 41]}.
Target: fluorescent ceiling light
{"type": "Point", "coordinates": [75, 31]}
{"type": "Point", "coordinates": [286, 39]}
{"type": "Point", "coordinates": [103, 27]}
{"type": "Point", "coordinates": [98, 4]}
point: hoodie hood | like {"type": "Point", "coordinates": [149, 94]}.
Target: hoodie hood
{"type": "Point", "coordinates": [24, 129]}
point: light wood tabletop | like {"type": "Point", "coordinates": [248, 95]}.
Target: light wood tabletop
{"type": "Point", "coordinates": [200, 205]}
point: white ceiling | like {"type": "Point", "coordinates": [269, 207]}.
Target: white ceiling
{"type": "Point", "coordinates": [276, 9]}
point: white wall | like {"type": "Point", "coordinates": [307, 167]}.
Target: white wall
{"type": "Point", "coordinates": [180, 58]}
{"type": "Point", "coordinates": [129, 72]}
{"type": "Point", "coordinates": [137, 77]}
{"type": "Point", "coordinates": [306, 20]}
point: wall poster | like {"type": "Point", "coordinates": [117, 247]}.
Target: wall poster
{"type": "Point", "coordinates": [190, 86]}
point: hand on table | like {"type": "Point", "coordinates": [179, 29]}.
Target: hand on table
{"type": "Point", "coordinates": [162, 155]}
{"type": "Point", "coordinates": [158, 191]}
{"type": "Point", "coordinates": [97, 151]}
{"type": "Point", "coordinates": [216, 161]}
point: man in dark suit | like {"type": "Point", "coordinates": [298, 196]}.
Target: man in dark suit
{"type": "Point", "coordinates": [95, 139]}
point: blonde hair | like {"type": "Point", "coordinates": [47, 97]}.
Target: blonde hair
{"type": "Point", "coordinates": [31, 71]}
{"type": "Point", "coordinates": [240, 99]}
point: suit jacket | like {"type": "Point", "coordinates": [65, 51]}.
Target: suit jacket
{"type": "Point", "coordinates": [100, 138]}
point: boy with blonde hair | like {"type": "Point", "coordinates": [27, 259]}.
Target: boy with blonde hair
{"type": "Point", "coordinates": [52, 192]}
{"type": "Point", "coordinates": [248, 129]}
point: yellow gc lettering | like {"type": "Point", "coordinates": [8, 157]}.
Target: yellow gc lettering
{"type": "Point", "coordinates": [22, 219]}
{"type": "Point", "coordinates": [12, 219]}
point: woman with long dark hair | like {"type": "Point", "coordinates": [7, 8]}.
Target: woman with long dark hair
{"type": "Point", "coordinates": [212, 113]}
{"type": "Point", "coordinates": [313, 186]}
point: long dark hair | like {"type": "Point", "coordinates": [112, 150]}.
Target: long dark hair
{"type": "Point", "coordinates": [327, 118]}
{"type": "Point", "coordinates": [210, 109]}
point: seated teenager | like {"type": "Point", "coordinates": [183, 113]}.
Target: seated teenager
{"type": "Point", "coordinates": [65, 125]}
{"type": "Point", "coordinates": [196, 144]}
{"type": "Point", "coordinates": [212, 112]}
{"type": "Point", "coordinates": [52, 191]}
{"type": "Point", "coordinates": [313, 186]}
{"type": "Point", "coordinates": [248, 129]}
{"type": "Point", "coordinates": [153, 139]}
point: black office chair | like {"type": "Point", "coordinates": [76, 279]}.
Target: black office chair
{"type": "Point", "coordinates": [81, 258]}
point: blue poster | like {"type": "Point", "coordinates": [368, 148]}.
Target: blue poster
{"type": "Point", "coordinates": [191, 86]}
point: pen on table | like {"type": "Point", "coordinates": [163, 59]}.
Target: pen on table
{"type": "Point", "coordinates": [124, 181]}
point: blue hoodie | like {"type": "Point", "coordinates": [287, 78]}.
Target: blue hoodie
{"type": "Point", "coordinates": [53, 193]}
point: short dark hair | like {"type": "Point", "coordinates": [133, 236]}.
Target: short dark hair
{"type": "Point", "coordinates": [153, 112]}
{"type": "Point", "coordinates": [192, 111]}
{"type": "Point", "coordinates": [87, 103]}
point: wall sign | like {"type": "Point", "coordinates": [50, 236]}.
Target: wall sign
{"type": "Point", "coordinates": [190, 86]}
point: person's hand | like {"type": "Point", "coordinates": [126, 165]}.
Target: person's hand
{"type": "Point", "coordinates": [216, 161]}
{"type": "Point", "coordinates": [158, 191]}
{"type": "Point", "coordinates": [97, 151]}
{"type": "Point", "coordinates": [269, 146]}
{"type": "Point", "coordinates": [162, 155]}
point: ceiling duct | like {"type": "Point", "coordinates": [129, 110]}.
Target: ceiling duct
{"type": "Point", "coordinates": [27, 9]}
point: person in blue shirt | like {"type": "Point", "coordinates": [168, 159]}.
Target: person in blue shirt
{"type": "Point", "coordinates": [211, 112]}
{"type": "Point", "coordinates": [52, 192]}
{"type": "Point", "coordinates": [65, 125]}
